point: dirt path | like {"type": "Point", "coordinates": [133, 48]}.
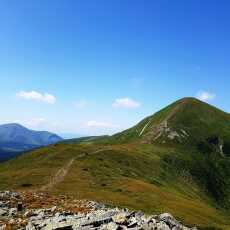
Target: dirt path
{"type": "Point", "coordinates": [62, 172]}
{"type": "Point", "coordinates": [59, 176]}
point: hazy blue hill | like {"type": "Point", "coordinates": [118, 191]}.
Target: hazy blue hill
{"type": "Point", "coordinates": [15, 138]}
{"type": "Point", "coordinates": [18, 134]}
{"type": "Point", "coordinates": [7, 154]}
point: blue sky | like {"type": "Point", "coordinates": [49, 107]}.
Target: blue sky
{"type": "Point", "coordinates": [95, 67]}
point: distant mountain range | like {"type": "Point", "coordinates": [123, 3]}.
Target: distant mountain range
{"type": "Point", "coordinates": [70, 135]}
{"type": "Point", "coordinates": [15, 138]}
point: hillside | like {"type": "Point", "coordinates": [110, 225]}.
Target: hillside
{"type": "Point", "coordinates": [187, 121]}
{"type": "Point", "coordinates": [8, 154]}
{"type": "Point", "coordinates": [15, 138]}
{"type": "Point", "coordinates": [87, 139]}
{"type": "Point", "coordinates": [152, 167]}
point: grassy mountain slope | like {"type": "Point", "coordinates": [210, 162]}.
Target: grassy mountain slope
{"type": "Point", "coordinates": [185, 174]}
{"type": "Point", "coordinates": [199, 127]}
{"type": "Point", "coordinates": [187, 121]}
{"type": "Point", "coordinates": [129, 175]}
{"type": "Point", "coordinates": [86, 139]}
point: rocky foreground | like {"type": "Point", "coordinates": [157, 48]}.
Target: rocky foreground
{"type": "Point", "coordinates": [31, 211]}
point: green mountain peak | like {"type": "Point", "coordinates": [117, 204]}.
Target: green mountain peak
{"type": "Point", "coordinates": [186, 121]}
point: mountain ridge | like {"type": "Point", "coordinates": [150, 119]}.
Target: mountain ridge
{"type": "Point", "coordinates": [15, 138]}
{"type": "Point", "coordinates": [181, 175]}
{"type": "Point", "coordinates": [178, 122]}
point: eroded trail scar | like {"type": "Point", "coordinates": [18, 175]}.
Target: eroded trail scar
{"type": "Point", "coordinates": [62, 172]}
{"type": "Point", "coordinates": [142, 131]}
{"type": "Point", "coordinates": [59, 176]}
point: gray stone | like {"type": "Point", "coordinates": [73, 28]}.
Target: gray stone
{"type": "Point", "coordinates": [3, 212]}
{"type": "Point", "coordinates": [132, 222]}
{"type": "Point", "coordinates": [170, 220]}
{"type": "Point", "coordinates": [98, 218]}
{"type": "Point", "coordinates": [3, 204]}
{"type": "Point", "coordinates": [30, 226]}
{"type": "Point", "coordinates": [13, 212]}
{"type": "Point", "coordinates": [119, 218]}
{"type": "Point", "coordinates": [162, 226]}
{"type": "Point", "coordinates": [53, 209]}
{"type": "Point", "coordinates": [110, 226]}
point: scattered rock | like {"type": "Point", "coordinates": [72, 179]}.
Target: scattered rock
{"type": "Point", "coordinates": [120, 218]}
{"type": "Point", "coordinates": [110, 226]}
{"type": "Point", "coordinates": [94, 217]}
{"type": "Point", "coordinates": [162, 226]}
{"type": "Point", "coordinates": [12, 211]}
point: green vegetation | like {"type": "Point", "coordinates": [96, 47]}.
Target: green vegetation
{"type": "Point", "coordinates": [84, 139]}
{"type": "Point", "coordinates": [187, 175]}
{"type": "Point", "coordinates": [198, 119]}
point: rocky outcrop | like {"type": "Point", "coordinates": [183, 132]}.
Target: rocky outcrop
{"type": "Point", "coordinates": [164, 132]}
{"type": "Point", "coordinates": [94, 217]}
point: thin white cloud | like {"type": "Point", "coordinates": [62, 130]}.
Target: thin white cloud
{"type": "Point", "coordinates": [32, 123]}
{"type": "Point", "coordinates": [99, 124]}
{"type": "Point", "coordinates": [35, 122]}
{"type": "Point", "coordinates": [39, 123]}
{"type": "Point", "coordinates": [205, 96]}
{"type": "Point", "coordinates": [126, 103]}
{"type": "Point", "coordinates": [37, 96]}
{"type": "Point", "coordinates": [81, 104]}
